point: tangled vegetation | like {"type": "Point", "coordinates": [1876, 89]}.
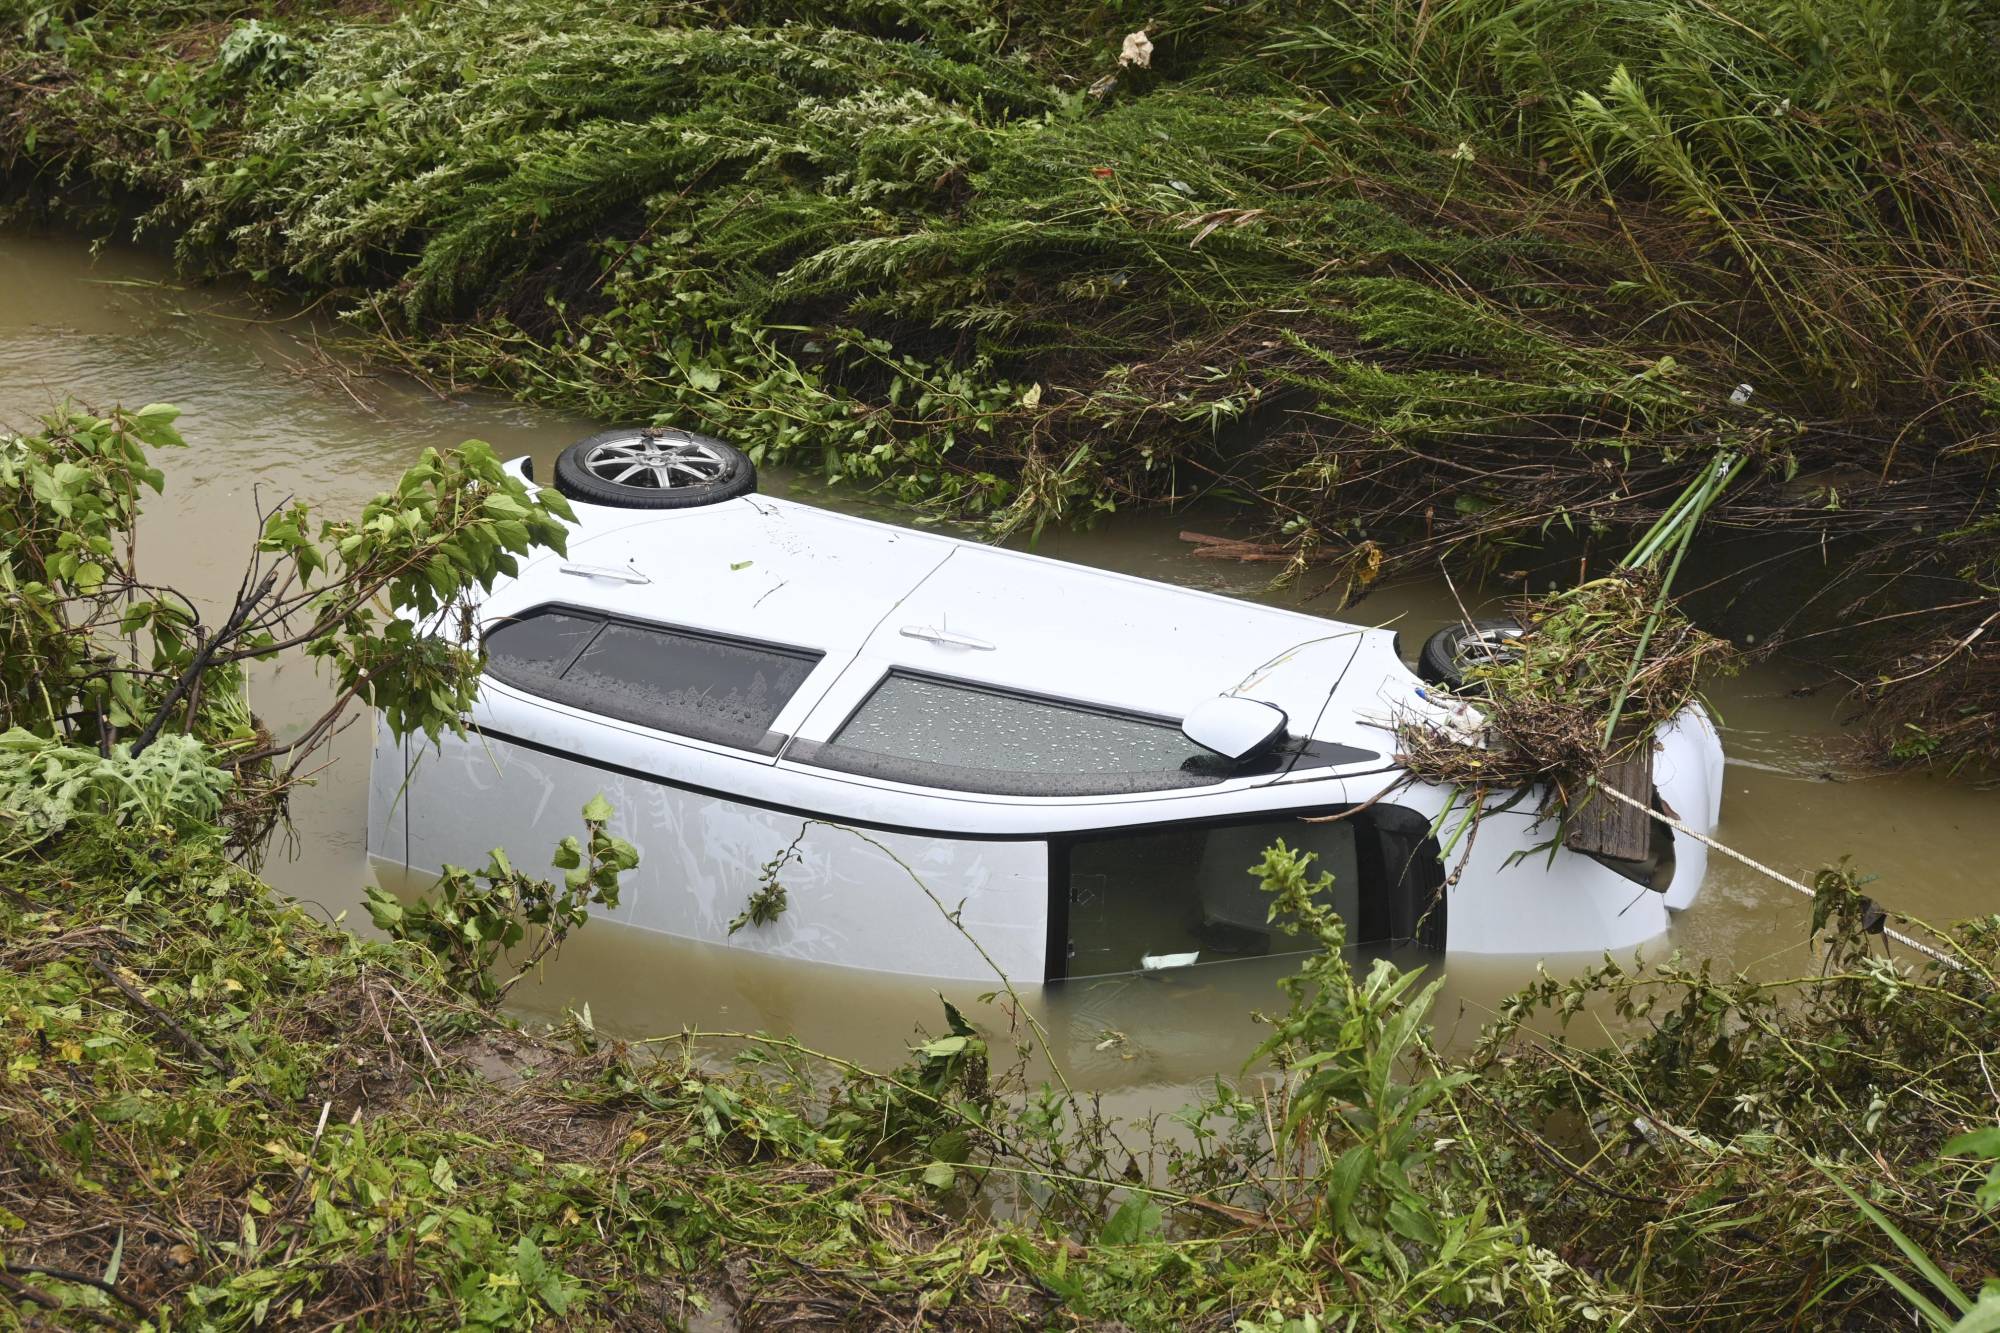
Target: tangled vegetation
{"type": "Point", "coordinates": [1431, 277]}
{"type": "Point", "coordinates": [472, 922]}
{"type": "Point", "coordinates": [218, 1111]}
{"type": "Point", "coordinates": [1550, 704]}
{"type": "Point", "coordinates": [1568, 701]}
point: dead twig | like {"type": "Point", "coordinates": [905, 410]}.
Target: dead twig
{"type": "Point", "coordinates": [186, 1040]}
{"type": "Point", "coordinates": [111, 1289]}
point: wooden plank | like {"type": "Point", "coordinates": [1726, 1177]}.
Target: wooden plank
{"type": "Point", "coordinates": [1613, 828]}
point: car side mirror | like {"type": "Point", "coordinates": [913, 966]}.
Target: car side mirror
{"type": "Point", "coordinates": [1234, 727]}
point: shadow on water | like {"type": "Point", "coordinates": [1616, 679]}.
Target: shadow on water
{"type": "Point", "coordinates": [271, 415]}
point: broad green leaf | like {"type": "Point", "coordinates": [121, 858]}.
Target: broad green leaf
{"type": "Point", "coordinates": [943, 1047]}
{"type": "Point", "coordinates": [1345, 1184]}
{"type": "Point", "coordinates": [1977, 1143]}
{"type": "Point", "coordinates": [1981, 1318]}
{"type": "Point", "coordinates": [1137, 1219]}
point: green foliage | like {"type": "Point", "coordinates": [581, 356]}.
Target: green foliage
{"type": "Point", "coordinates": [173, 788]}
{"type": "Point", "coordinates": [69, 503]}
{"type": "Point", "coordinates": [97, 657]}
{"type": "Point", "coordinates": [1451, 273]}
{"type": "Point", "coordinates": [910, 252]}
{"type": "Point", "coordinates": [800, 207]}
{"type": "Point", "coordinates": [1392, 1194]}
{"type": "Point", "coordinates": [253, 51]}
{"type": "Point", "coordinates": [1709, 1147]}
{"type": "Point", "coordinates": [204, 1081]}
{"type": "Point", "coordinates": [455, 522]}
{"type": "Point", "coordinates": [271, 1120]}
{"type": "Point", "coordinates": [767, 902]}
{"type": "Point", "coordinates": [471, 921]}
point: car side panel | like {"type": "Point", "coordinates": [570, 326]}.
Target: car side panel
{"type": "Point", "coordinates": [860, 898]}
{"type": "Point", "coordinates": [1687, 772]}
{"type": "Point", "coordinates": [1539, 905]}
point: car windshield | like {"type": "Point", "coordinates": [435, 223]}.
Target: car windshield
{"type": "Point", "coordinates": [944, 722]}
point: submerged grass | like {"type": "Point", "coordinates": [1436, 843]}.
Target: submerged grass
{"type": "Point", "coordinates": [1439, 275]}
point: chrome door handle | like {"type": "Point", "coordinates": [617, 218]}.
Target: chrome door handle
{"type": "Point", "coordinates": [946, 637]}
{"type": "Point", "coordinates": [625, 575]}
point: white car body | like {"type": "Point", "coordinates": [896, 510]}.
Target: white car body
{"type": "Point", "coordinates": [901, 864]}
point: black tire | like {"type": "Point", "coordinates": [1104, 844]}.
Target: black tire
{"type": "Point", "coordinates": [654, 467]}
{"type": "Point", "coordinates": [1451, 650]}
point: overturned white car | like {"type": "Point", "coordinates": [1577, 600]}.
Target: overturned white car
{"type": "Point", "coordinates": [960, 758]}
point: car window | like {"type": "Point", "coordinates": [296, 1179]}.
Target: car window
{"type": "Point", "coordinates": [1183, 894]}
{"type": "Point", "coordinates": [944, 722]}
{"type": "Point", "coordinates": [713, 688]}
{"type": "Point", "coordinates": [959, 736]}
{"type": "Point", "coordinates": [1188, 893]}
{"type": "Point", "coordinates": [540, 644]}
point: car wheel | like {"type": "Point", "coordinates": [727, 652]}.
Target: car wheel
{"type": "Point", "coordinates": [1449, 653]}
{"type": "Point", "coordinates": [654, 467]}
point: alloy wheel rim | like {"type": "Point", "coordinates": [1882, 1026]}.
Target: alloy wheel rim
{"type": "Point", "coordinates": [656, 461]}
{"type": "Point", "coordinates": [1488, 647]}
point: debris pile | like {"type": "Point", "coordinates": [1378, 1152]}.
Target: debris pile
{"type": "Point", "coordinates": [1596, 669]}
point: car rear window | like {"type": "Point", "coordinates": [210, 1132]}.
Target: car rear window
{"type": "Point", "coordinates": [684, 681]}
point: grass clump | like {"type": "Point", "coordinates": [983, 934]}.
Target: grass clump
{"type": "Point", "coordinates": [1715, 1154]}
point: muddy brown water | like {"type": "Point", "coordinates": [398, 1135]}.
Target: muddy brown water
{"type": "Point", "coordinates": [270, 413]}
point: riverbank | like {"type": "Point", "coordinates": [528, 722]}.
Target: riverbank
{"type": "Point", "coordinates": [222, 1111]}
{"type": "Point", "coordinates": [1412, 284]}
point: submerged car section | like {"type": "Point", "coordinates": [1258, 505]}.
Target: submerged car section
{"type": "Point", "coordinates": [957, 759]}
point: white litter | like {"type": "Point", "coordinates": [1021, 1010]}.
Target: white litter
{"type": "Point", "coordinates": [1160, 962]}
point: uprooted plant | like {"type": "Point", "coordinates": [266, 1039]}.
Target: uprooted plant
{"type": "Point", "coordinates": [95, 656]}
{"type": "Point", "coordinates": [1572, 703]}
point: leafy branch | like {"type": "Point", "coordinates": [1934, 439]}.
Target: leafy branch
{"type": "Point", "coordinates": [471, 919]}
{"type": "Point", "coordinates": [96, 656]}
